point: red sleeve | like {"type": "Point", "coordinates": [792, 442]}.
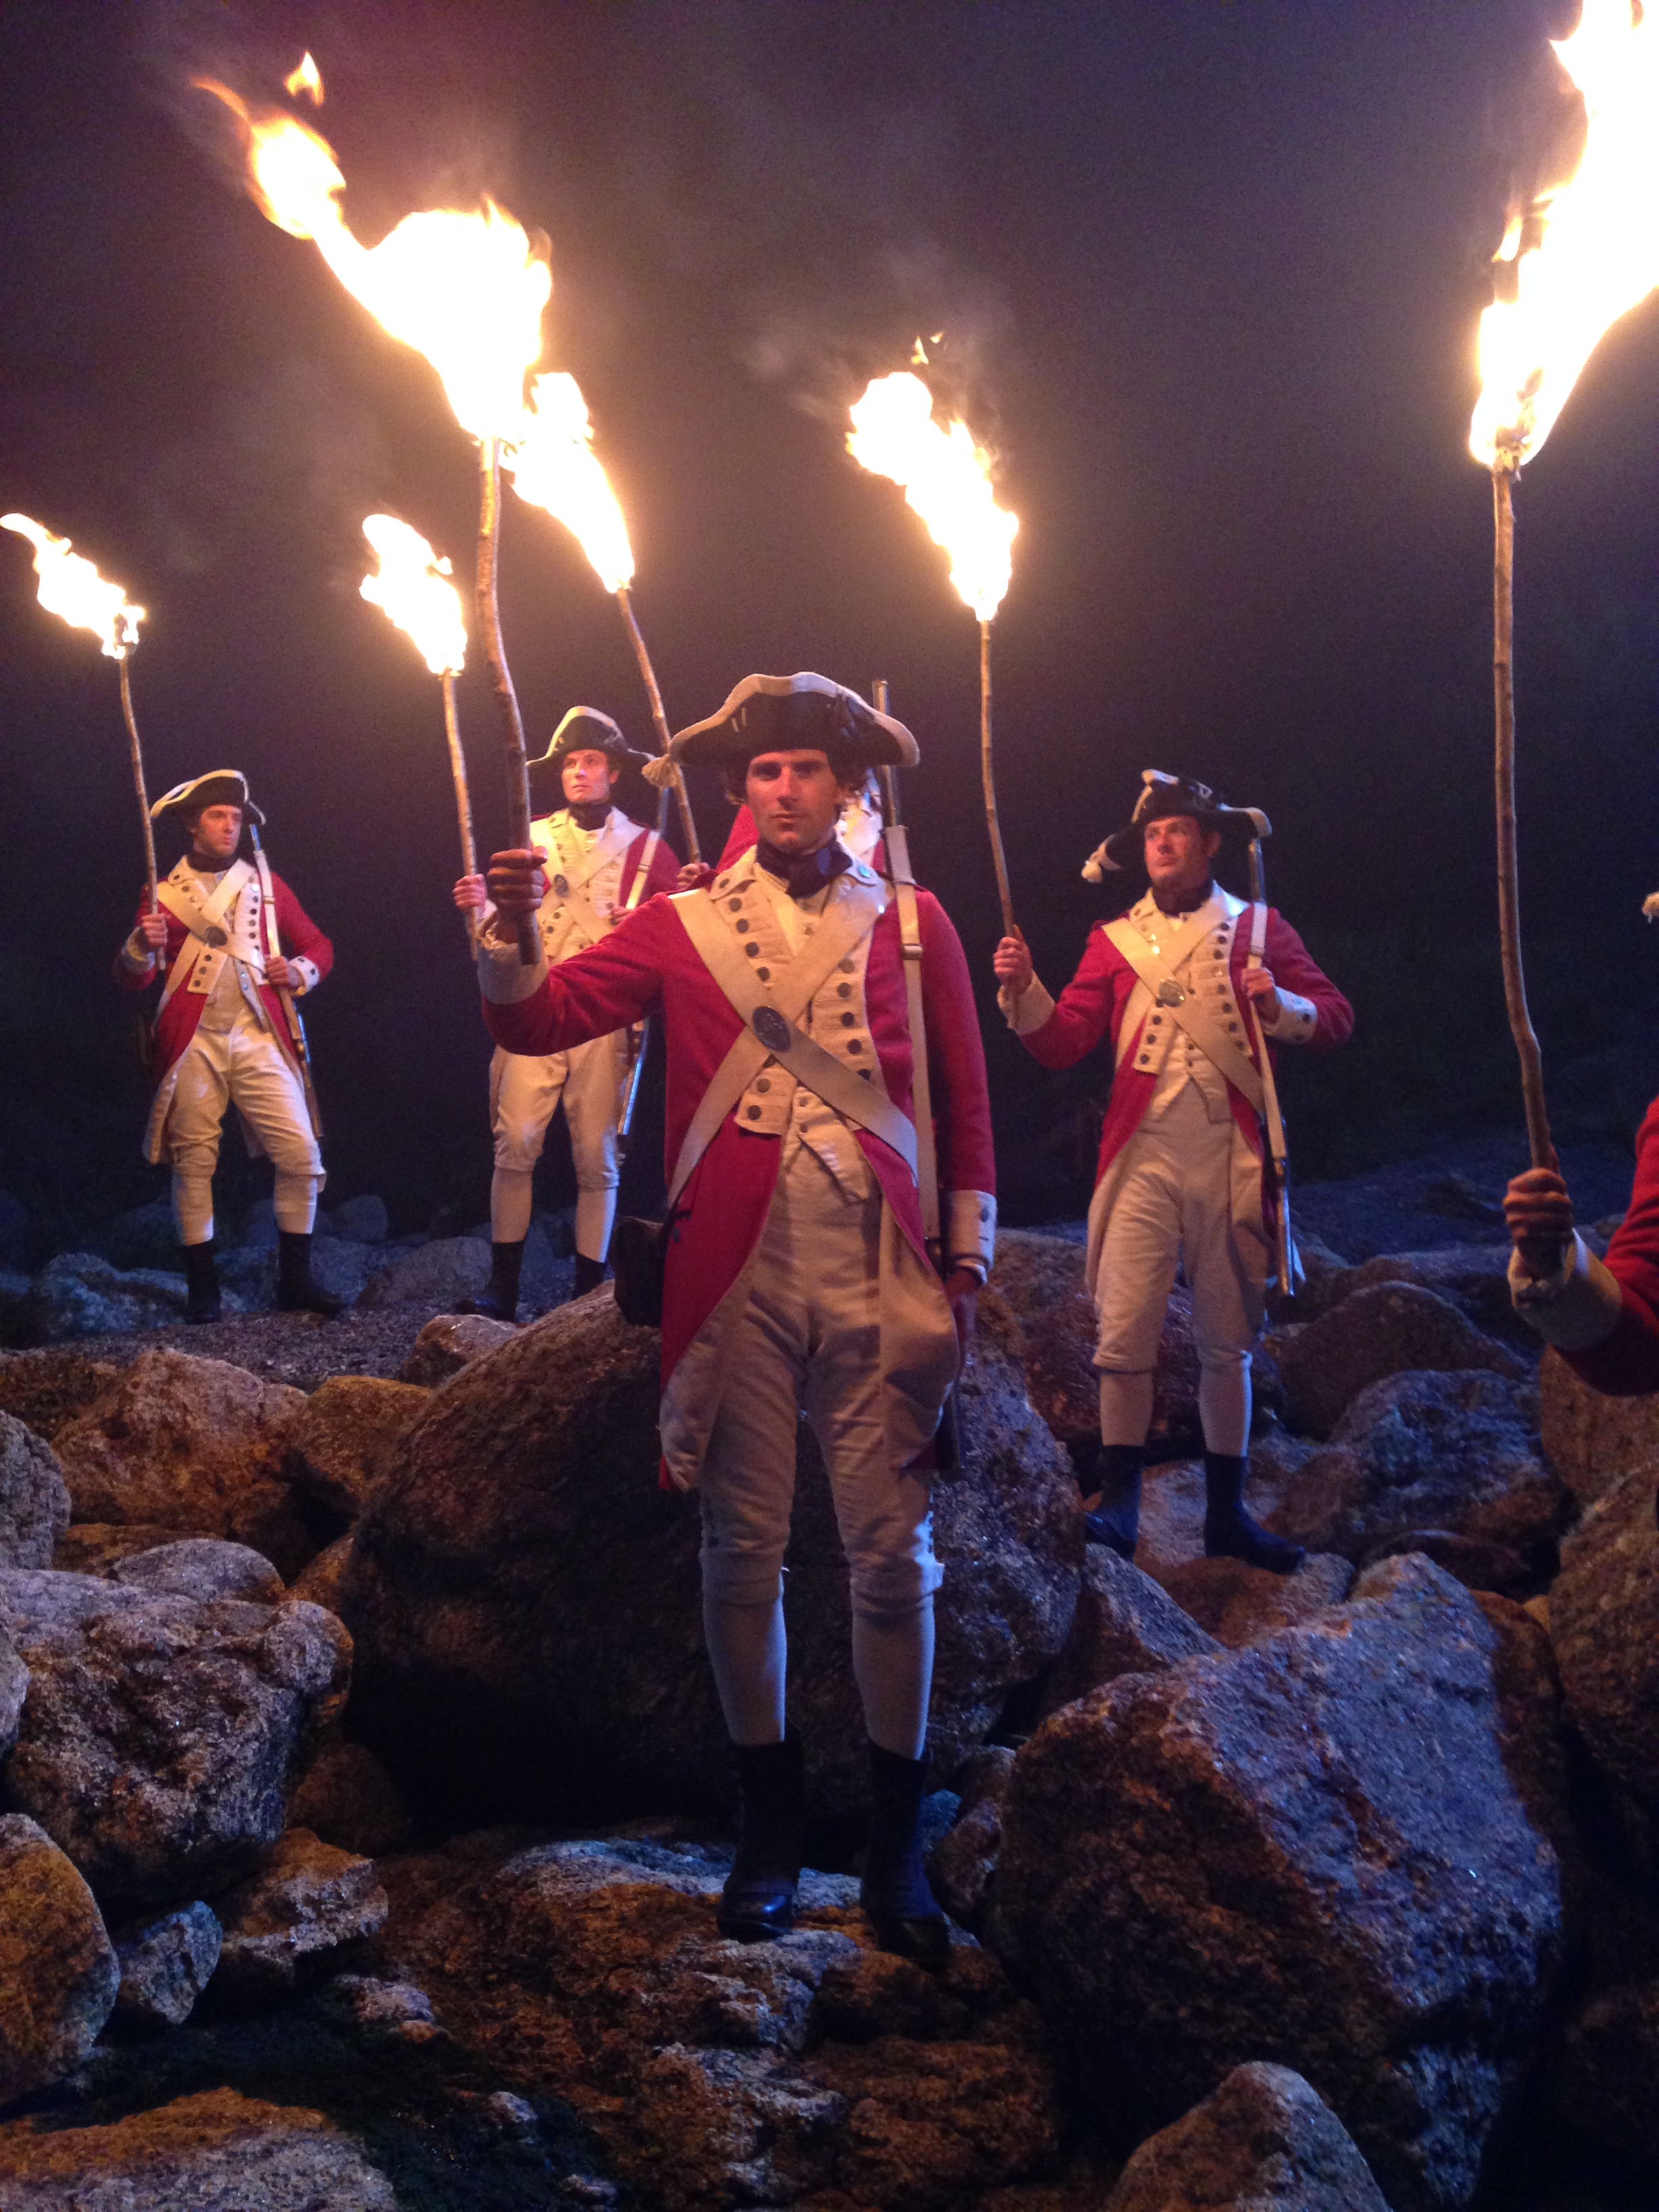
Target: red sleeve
{"type": "Point", "coordinates": [1627, 1363]}
{"type": "Point", "coordinates": [956, 1056]}
{"type": "Point", "coordinates": [1082, 1014]}
{"type": "Point", "coordinates": [1294, 967]}
{"type": "Point", "coordinates": [301, 939]}
{"type": "Point", "coordinates": [613, 983]}
{"type": "Point", "coordinates": [129, 979]}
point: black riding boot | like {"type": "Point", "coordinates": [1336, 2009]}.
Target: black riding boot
{"type": "Point", "coordinates": [1229, 1531]}
{"type": "Point", "coordinates": [500, 1296]}
{"type": "Point", "coordinates": [758, 1901]}
{"type": "Point", "coordinates": [1115, 1521]}
{"type": "Point", "coordinates": [590, 1273]}
{"type": "Point", "coordinates": [295, 1291]}
{"type": "Point", "coordinates": [201, 1283]}
{"type": "Point", "coordinates": [893, 1891]}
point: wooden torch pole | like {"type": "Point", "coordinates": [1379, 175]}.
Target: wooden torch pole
{"type": "Point", "coordinates": [489, 621]}
{"type": "Point", "coordinates": [1508, 902]}
{"type": "Point", "coordinates": [659, 721]}
{"type": "Point", "coordinates": [997, 856]}
{"type": "Point", "coordinates": [463, 797]}
{"type": "Point", "coordinates": [138, 753]}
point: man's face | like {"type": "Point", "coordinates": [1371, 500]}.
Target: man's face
{"type": "Point", "coordinates": [216, 833]}
{"type": "Point", "coordinates": [794, 799]}
{"type": "Point", "coordinates": [588, 776]}
{"type": "Point", "coordinates": [1179, 851]}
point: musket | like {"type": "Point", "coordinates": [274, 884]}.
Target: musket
{"type": "Point", "coordinates": [1286, 1259]}
{"type": "Point", "coordinates": [296, 1028]}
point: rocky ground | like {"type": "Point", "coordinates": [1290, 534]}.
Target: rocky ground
{"type": "Point", "coordinates": [364, 1795]}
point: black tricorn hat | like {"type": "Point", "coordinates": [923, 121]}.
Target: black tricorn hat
{"type": "Point", "coordinates": [1163, 795]}
{"type": "Point", "coordinates": [220, 787]}
{"type": "Point", "coordinates": [585, 729]}
{"type": "Point", "coordinates": [796, 714]}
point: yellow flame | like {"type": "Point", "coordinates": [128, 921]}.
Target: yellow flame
{"type": "Point", "coordinates": [464, 289]}
{"type": "Point", "coordinates": [1599, 252]}
{"type": "Point", "coordinates": [410, 585]}
{"type": "Point", "coordinates": [307, 78]}
{"type": "Point", "coordinates": [946, 478]}
{"type": "Point", "coordinates": [72, 587]}
{"type": "Point", "coordinates": [554, 466]}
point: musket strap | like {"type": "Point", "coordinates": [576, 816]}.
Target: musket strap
{"type": "Point", "coordinates": [1226, 1049]}
{"type": "Point", "coordinates": [203, 919]}
{"type": "Point", "coordinates": [770, 1033]}
{"type": "Point", "coordinates": [904, 892]}
{"type": "Point", "coordinates": [648, 854]}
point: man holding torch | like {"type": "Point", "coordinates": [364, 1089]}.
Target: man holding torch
{"type": "Point", "coordinates": [602, 865]}
{"type": "Point", "coordinates": [226, 1033]}
{"type": "Point", "coordinates": [797, 1276]}
{"type": "Point", "coordinates": [1190, 985]}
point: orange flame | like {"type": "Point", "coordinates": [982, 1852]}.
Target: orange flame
{"type": "Point", "coordinates": [1598, 250]}
{"type": "Point", "coordinates": [554, 467]}
{"type": "Point", "coordinates": [72, 587]}
{"type": "Point", "coordinates": [410, 586]}
{"type": "Point", "coordinates": [466, 289]}
{"type": "Point", "coordinates": [307, 78]}
{"type": "Point", "coordinates": [946, 478]}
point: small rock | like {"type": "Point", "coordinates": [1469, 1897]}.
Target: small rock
{"type": "Point", "coordinates": [144, 1237]}
{"type": "Point", "coordinates": [965, 1859]}
{"type": "Point", "coordinates": [1389, 1329]}
{"type": "Point", "coordinates": [80, 1294]}
{"type": "Point", "coordinates": [1604, 1625]}
{"type": "Point", "coordinates": [320, 1582]}
{"type": "Point", "coordinates": [166, 1966]}
{"type": "Point", "coordinates": [206, 1567]}
{"type": "Point", "coordinates": [1264, 2138]}
{"type": "Point", "coordinates": [49, 1387]}
{"type": "Point", "coordinates": [1591, 1441]}
{"type": "Point", "coordinates": [285, 1924]}
{"type": "Point", "coordinates": [57, 1968]}
{"type": "Point", "coordinates": [34, 1503]}
{"type": "Point", "coordinates": [218, 2151]}
{"type": "Point", "coordinates": [347, 1797]}
{"type": "Point", "coordinates": [450, 1342]}
{"type": "Point", "coordinates": [376, 2006]}
{"type": "Point", "coordinates": [1124, 1623]}
{"type": "Point", "coordinates": [446, 1273]}
{"type": "Point", "coordinates": [365, 1219]}
{"type": "Point", "coordinates": [197, 1445]}
{"type": "Point", "coordinates": [344, 1440]}
{"type": "Point", "coordinates": [1236, 1604]}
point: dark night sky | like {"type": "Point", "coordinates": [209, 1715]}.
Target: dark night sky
{"type": "Point", "coordinates": [1209, 272]}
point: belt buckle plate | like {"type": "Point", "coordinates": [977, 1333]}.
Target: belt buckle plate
{"type": "Point", "coordinates": [1169, 993]}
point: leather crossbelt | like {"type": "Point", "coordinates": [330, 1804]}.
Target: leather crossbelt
{"type": "Point", "coordinates": [1183, 1003]}
{"type": "Point", "coordinates": [770, 1033]}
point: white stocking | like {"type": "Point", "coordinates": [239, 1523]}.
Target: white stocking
{"type": "Point", "coordinates": [510, 1200]}
{"type": "Point", "coordinates": [1224, 1405]}
{"type": "Point", "coordinates": [893, 1666]}
{"type": "Point", "coordinates": [595, 1211]}
{"type": "Point", "coordinates": [192, 1207]}
{"type": "Point", "coordinates": [295, 1203]}
{"type": "Point", "coordinates": [1126, 1407]}
{"type": "Point", "coordinates": [748, 1653]}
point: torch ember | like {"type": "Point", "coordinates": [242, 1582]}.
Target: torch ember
{"type": "Point", "coordinates": [1586, 252]}
{"type": "Point", "coordinates": [306, 78]}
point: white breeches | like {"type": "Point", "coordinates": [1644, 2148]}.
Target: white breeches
{"type": "Point", "coordinates": [242, 1067]}
{"type": "Point", "coordinates": [1185, 1191]}
{"type": "Point", "coordinates": [525, 1093]}
{"type": "Point", "coordinates": [809, 1339]}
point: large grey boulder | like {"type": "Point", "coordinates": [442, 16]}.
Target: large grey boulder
{"type": "Point", "coordinates": [159, 1731]}
{"type": "Point", "coordinates": [343, 1438]}
{"type": "Point", "coordinates": [83, 1294]}
{"type": "Point", "coordinates": [58, 1970]}
{"type": "Point", "coordinates": [1311, 1852]}
{"type": "Point", "coordinates": [363, 1220]}
{"type": "Point", "coordinates": [1591, 1441]}
{"type": "Point", "coordinates": [1264, 2138]}
{"type": "Point", "coordinates": [1454, 1453]}
{"type": "Point", "coordinates": [1236, 1604]}
{"type": "Point", "coordinates": [1389, 1328]}
{"type": "Point", "coordinates": [1124, 1623]}
{"type": "Point", "coordinates": [1474, 1277]}
{"type": "Point", "coordinates": [196, 1445]}
{"type": "Point", "coordinates": [34, 1502]}
{"type": "Point", "coordinates": [717, 2074]}
{"type": "Point", "coordinates": [296, 1918]}
{"type": "Point", "coordinates": [1604, 1625]}
{"type": "Point", "coordinates": [497, 1666]}
{"type": "Point", "coordinates": [218, 2151]}
{"type": "Point", "coordinates": [206, 1567]}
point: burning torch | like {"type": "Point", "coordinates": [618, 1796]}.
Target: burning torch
{"type": "Point", "coordinates": [72, 587]}
{"type": "Point", "coordinates": [1579, 259]}
{"type": "Point", "coordinates": [464, 288]}
{"type": "Point", "coordinates": [947, 479]}
{"type": "Point", "coordinates": [412, 587]}
{"type": "Point", "coordinates": [554, 467]}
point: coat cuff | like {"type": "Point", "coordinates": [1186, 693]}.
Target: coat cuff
{"type": "Point", "coordinates": [1574, 1309]}
{"type": "Point", "coordinates": [1028, 1012]}
{"type": "Point", "coordinates": [503, 976]}
{"type": "Point", "coordinates": [970, 1229]}
{"type": "Point", "coordinates": [1295, 1021]}
{"type": "Point", "coordinates": [307, 972]}
{"type": "Point", "coordinates": [137, 957]}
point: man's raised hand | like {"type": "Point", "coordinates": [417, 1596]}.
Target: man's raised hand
{"type": "Point", "coordinates": [1012, 963]}
{"type": "Point", "coordinates": [517, 882]}
{"type": "Point", "coordinates": [1539, 1210]}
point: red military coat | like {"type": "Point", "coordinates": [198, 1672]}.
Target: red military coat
{"type": "Point", "coordinates": [1626, 1364]}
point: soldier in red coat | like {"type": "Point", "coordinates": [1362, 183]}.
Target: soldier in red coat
{"type": "Point", "coordinates": [223, 1036]}
{"type": "Point", "coordinates": [1602, 1316]}
{"type": "Point", "coordinates": [1190, 985]}
{"type": "Point", "coordinates": [797, 1276]}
